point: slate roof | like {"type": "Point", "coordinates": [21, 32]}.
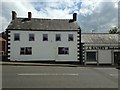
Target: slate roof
{"type": "Point", "coordinates": [42, 24]}
{"type": "Point", "coordinates": [99, 38]}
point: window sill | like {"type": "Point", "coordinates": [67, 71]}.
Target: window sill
{"type": "Point", "coordinates": [91, 62]}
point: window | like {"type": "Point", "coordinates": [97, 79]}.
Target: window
{"type": "Point", "coordinates": [70, 37]}
{"type": "Point", "coordinates": [91, 56]}
{"type": "Point", "coordinates": [45, 37]}
{"type": "Point", "coordinates": [63, 50]}
{"type": "Point", "coordinates": [58, 37]}
{"type": "Point", "coordinates": [16, 37]}
{"type": "Point", "coordinates": [31, 37]}
{"type": "Point", "coordinates": [25, 50]}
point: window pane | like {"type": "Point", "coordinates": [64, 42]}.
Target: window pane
{"type": "Point", "coordinates": [22, 50]}
{"type": "Point", "coordinates": [70, 37]}
{"type": "Point", "coordinates": [66, 51]}
{"type": "Point", "coordinates": [60, 50]}
{"type": "Point", "coordinates": [58, 37]}
{"type": "Point", "coordinates": [31, 37]}
{"type": "Point", "coordinates": [91, 56]}
{"type": "Point", "coordinates": [45, 37]}
{"type": "Point", "coordinates": [16, 37]}
{"type": "Point", "coordinates": [28, 50]}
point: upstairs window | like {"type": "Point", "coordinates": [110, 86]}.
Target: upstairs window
{"type": "Point", "coordinates": [45, 37]}
{"type": "Point", "coordinates": [16, 37]}
{"type": "Point", "coordinates": [31, 37]}
{"type": "Point", "coordinates": [58, 37]}
{"type": "Point", "coordinates": [70, 37]}
{"type": "Point", "coordinates": [63, 50]}
{"type": "Point", "coordinates": [26, 51]}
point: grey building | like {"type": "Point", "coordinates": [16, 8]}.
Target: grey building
{"type": "Point", "coordinates": [100, 48]}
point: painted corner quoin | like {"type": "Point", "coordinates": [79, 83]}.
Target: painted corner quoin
{"type": "Point", "coordinates": [79, 45]}
{"type": "Point", "coordinates": [8, 44]}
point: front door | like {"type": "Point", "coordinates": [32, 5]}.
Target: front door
{"type": "Point", "coordinates": [116, 58]}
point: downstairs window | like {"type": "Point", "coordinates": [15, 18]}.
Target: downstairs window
{"type": "Point", "coordinates": [26, 51]}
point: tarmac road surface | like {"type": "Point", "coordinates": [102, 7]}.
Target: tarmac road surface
{"type": "Point", "coordinates": [59, 77]}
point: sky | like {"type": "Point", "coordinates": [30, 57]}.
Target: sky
{"type": "Point", "coordinates": [92, 15]}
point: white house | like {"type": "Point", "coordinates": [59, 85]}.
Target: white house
{"type": "Point", "coordinates": [36, 39]}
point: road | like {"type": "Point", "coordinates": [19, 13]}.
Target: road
{"type": "Point", "coordinates": [59, 77]}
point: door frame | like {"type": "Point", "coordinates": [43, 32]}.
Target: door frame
{"type": "Point", "coordinates": [114, 57]}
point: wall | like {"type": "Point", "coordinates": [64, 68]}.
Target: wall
{"type": "Point", "coordinates": [104, 56]}
{"type": "Point", "coordinates": [43, 50]}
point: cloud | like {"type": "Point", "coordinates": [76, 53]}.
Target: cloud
{"type": "Point", "coordinates": [97, 15]}
{"type": "Point", "coordinates": [7, 7]}
{"type": "Point", "coordinates": [61, 9]}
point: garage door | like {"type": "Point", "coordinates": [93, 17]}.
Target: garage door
{"type": "Point", "coordinates": [104, 57]}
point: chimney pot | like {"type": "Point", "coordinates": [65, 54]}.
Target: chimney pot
{"type": "Point", "coordinates": [74, 16]}
{"type": "Point", "coordinates": [14, 15]}
{"type": "Point", "coordinates": [29, 15]}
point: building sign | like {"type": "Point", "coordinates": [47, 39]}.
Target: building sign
{"type": "Point", "coordinates": [101, 48]}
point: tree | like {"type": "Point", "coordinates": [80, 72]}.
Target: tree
{"type": "Point", "coordinates": [114, 30]}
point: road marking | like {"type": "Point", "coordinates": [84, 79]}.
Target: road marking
{"type": "Point", "coordinates": [48, 74]}
{"type": "Point", "coordinates": [104, 68]}
{"type": "Point", "coordinates": [114, 75]}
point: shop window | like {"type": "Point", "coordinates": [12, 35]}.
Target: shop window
{"type": "Point", "coordinates": [91, 56]}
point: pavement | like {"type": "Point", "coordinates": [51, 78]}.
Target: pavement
{"type": "Point", "coordinates": [39, 64]}
{"type": "Point", "coordinates": [60, 64]}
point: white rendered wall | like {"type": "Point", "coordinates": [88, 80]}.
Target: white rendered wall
{"type": "Point", "coordinates": [43, 50]}
{"type": "Point", "coordinates": [104, 56]}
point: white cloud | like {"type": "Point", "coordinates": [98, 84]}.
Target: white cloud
{"type": "Point", "coordinates": [20, 7]}
{"type": "Point", "coordinates": [99, 16]}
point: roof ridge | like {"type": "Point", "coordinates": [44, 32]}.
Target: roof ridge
{"type": "Point", "coordinates": [98, 33]}
{"type": "Point", "coordinates": [43, 18]}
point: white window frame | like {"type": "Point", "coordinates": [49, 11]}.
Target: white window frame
{"type": "Point", "coordinates": [25, 51]}
{"type": "Point", "coordinates": [58, 37]}
{"type": "Point", "coordinates": [65, 51]}
{"type": "Point", "coordinates": [45, 37]}
{"type": "Point", "coordinates": [70, 37]}
{"type": "Point", "coordinates": [91, 59]}
{"type": "Point", "coordinates": [31, 37]}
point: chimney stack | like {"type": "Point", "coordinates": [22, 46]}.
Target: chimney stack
{"type": "Point", "coordinates": [29, 15]}
{"type": "Point", "coordinates": [74, 16]}
{"type": "Point", "coordinates": [14, 15]}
